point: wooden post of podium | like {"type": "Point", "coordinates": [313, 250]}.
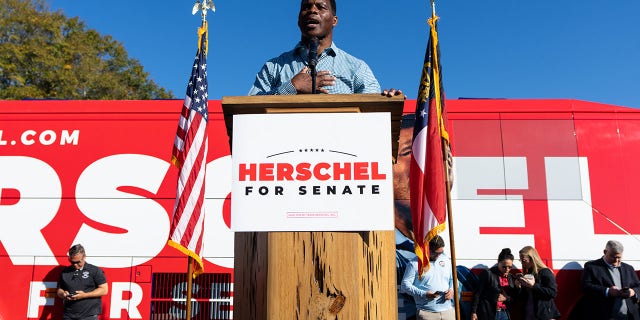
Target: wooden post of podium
{"type": "Point", "coordinates": [315, 275]}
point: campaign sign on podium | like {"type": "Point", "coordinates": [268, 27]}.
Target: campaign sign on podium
{"type": "Point", "coordinates": [312, 172]}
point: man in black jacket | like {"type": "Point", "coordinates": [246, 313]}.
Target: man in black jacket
{"type": "Point", "coordinates": [611, 286]}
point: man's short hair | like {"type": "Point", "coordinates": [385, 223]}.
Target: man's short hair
{"type": "Point", "coordinates": [334, 9]}
{"type": "Point", "coordinates": [76, 249]}
{"type": "Point", "coordinates": [614, 246]}
{"type": "Point", "coordinates": [436, 243]}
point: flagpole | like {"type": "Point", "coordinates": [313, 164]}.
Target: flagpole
{"type": "Point", "coordinates": [189, 286]}
{"type": "Point", "coordinates": [201, 6]}
{"type": "Point", "coordinates": [456, 295]}
{"type": "Point", "coordinates": [445, 153]}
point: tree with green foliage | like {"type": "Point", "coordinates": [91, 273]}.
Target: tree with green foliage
{"type": "Point", "coordinates": [45, 55]}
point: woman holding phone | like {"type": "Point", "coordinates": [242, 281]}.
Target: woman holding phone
{"type": "Point", "coordinates": [538, 285]}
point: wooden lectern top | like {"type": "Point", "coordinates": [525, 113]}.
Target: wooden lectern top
{"type": "Point", "coordinates": [316, 103]}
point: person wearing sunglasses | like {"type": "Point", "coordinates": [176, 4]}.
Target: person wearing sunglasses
{"type": "Point", "coordinates": [496, 291]}
{"type": "Point", "coordinates": [81, 286]}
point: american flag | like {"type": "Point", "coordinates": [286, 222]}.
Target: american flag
{"type": "Point", "coordinates": [427, 172]}
{"type": "Point", "coordinates": [189, 156]}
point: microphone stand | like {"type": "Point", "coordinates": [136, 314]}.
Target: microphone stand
{"type": "Point", "coordinates": [313, 61]}
{"type": "Point", "coordinates": [313, 79]}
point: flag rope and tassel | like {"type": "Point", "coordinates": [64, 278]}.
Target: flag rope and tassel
{"type": "Point", "coordinates": [189, 155]}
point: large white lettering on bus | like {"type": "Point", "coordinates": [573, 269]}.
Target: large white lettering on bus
{"type": "Point", "coordinates": [572, 221]}
{"type": "Point", "coordinates": [500, 183]}
{"type": "Point", "coordinates": [45, 138]}
{"type": "Point", "coordinates": [118, 303]}
{"type": "Point", "coordinates": [498, 210]}
{"type": "Point", "coordinates": [33, 182]}
{"type": "Point", "coordinates": [144, 223]}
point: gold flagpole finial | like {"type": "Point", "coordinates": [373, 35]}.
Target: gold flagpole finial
{"type": "Point", "coordinates": [203, 6]}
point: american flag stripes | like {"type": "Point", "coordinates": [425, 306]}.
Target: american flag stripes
{"type": "Point", "coordinates": [189, 156]}
{"type": "Point", "coordinates": [427, 171]}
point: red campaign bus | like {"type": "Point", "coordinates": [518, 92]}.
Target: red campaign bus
{"type": "Point", "coordinates": [555, 174]}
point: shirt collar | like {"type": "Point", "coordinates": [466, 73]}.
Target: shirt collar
{"type": "Point", "coordinates": [610, 266]}
{"type": "Point", "coordinates": [303, 51]}
{"type": "Point", "coordinates": [441, 256]}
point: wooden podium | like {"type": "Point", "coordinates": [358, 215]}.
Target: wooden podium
{"type": "Point", "coordinates": [315, 275]}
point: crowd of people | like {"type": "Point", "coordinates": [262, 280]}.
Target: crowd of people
{"type": "Point", "coordinates": [503, 292]}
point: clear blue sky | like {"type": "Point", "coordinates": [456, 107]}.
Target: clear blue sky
{"type": "Point", "coordinates": [575, 49]}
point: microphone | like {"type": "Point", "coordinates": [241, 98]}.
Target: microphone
{"type": "Point", "coordinates": [313, 61]}
{"type": "Point", "coordinates": [313, 52]}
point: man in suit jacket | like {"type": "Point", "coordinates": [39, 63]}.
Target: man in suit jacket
{"type": "Point", "coordinates": [611, 286]}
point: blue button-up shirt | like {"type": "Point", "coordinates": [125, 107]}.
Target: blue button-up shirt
{"type": "Point", "coordinates": [438, 278]}
{"type": "Point", "coordinates": [352, 74]}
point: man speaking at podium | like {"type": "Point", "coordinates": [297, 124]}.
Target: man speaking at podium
{"type": "Point", "coordinates": [315, 59]}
